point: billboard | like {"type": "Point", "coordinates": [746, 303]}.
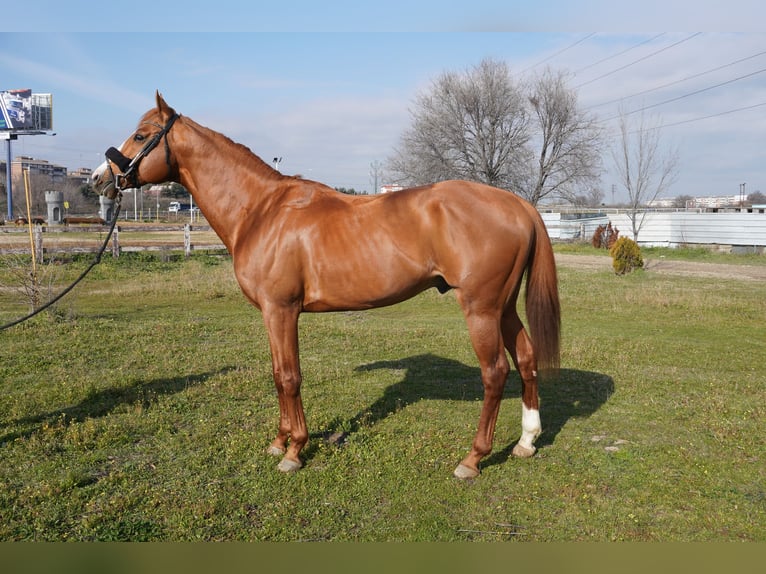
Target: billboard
{"type": "Point", "coordinates": [22, 110]}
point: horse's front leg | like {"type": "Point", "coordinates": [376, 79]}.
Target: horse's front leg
{"type": "Point", "coordinates": [282, 327]}
{"type": "Point", "coordinates": [279, 444]}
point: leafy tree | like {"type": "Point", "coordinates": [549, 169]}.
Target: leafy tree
{"type": "Point", "coordinates": [174, 190]}
{"type": "Point", "coordinates": [756, 198]}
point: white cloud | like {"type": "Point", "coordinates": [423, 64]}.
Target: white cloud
{"type": "Point", "coordinates": [77, 82]}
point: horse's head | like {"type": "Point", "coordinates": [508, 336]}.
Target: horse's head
{"type": "Point", "coordinates": [141, 159]}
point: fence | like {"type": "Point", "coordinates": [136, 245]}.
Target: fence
{"type": "Point", "coordinates": [737, 229]}
{"type": "Point", "coordinates": [54, 240]}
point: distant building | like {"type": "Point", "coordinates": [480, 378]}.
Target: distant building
{"type": "Point", "coordinates": [56, 173]}
{"type": "Point", "coordinates": [80, 176]}
{"type": "Point", "coordinates": [704, 202]}
{"type": "Point", "coordinates": [717, 201]}
{"type": "Point", "coordinates": [390, 188]}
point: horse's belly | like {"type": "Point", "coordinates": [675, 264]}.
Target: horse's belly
{"type": "Point", "coordinates": [360, 293]}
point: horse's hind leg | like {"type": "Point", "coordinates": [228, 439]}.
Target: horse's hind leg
{"type": "Point", "coordinates": [484, 329]}
{"type": "Point", "coordinates": [520, 347]}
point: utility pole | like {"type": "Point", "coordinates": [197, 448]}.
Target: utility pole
{"type": "Point", "coordinates": [375, 169]}
{"type": "Point", "coordinates": [8, 136]}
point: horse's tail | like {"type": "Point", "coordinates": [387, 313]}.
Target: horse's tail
{"type": "Point", "coordinates": [542, 298]}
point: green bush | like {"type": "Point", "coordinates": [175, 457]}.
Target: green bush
{"type": "Point", "coordinates": [626, 256]}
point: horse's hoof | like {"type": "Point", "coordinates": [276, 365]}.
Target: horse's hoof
{"type": "Point", "coordinates": [463, 472]}
{"type": "Point", "coordinates": [289, 465]}
{"type": "Point", "coordinates": [523, 452]}
{"type": "Point", "coordinates": [275, 450]}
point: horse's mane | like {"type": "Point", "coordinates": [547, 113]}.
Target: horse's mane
{"type": "Point", "coordinates": [248, 155]}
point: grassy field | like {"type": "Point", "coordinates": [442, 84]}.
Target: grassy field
{"type": "Point", "coordinates": [141, 407]}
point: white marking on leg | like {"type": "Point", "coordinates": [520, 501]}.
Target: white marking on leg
{"type": "Point", "coordinates": [530, 426]}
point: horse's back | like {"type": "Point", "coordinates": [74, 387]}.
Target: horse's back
{"type": "Point", "coordinates": [465, 214]}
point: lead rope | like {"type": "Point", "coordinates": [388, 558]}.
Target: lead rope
{"type": "Point", "coordinates": [96, 261]}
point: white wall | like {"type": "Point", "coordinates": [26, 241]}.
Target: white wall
{"type": "Point", "coordinates": [679, 228]}
{"type": "Point", "coordinates": [581, 229]}
{"type": "Point", "coordinates": [668, 228]}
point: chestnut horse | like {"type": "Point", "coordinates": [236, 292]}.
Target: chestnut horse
{"type": "Point", "coordinates": [298, 245]}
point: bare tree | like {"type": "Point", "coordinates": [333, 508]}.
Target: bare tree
{"type": "Point", "coordinates": [645, 169]}
{"type": "Point", "coordinates": [593, 197]}
{"type": "Point", "coordinates": [486, 127]}
{"type": "Point", "coordinates": [566, 144]}
{"type": "Point", "coordinates": [471, 126]}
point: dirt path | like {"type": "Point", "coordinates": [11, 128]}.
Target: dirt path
{"type": "Point", "coordinates": [670, 267]}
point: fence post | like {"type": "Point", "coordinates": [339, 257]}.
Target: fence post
{"type": "Point", "coordinates": [116, 242]}
{"type": "Point", "coordinates": [187, 240]}
{"type": "Point", "coordinates": [38, 239]}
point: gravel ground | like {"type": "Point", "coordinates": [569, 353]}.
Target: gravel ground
{"type": "Point", "coordinates": [669, 267]}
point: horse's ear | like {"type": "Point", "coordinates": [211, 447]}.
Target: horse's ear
{"type": "Point", "coordinates": [162, 106]}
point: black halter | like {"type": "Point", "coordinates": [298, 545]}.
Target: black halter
{"type": "Point", "coordinates": [129, 167]}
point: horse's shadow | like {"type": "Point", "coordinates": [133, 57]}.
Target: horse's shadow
{"type": "Point", "coordinates": [571, 394]}
{"type": "Point", "coordinates": [103, 402]}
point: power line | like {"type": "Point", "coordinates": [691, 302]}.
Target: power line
{"type": "Point", "coordinates": [712, 115]}
{"type": "Point", "coordinates": [687, 78]}
{"type": "Point", "coordinates": [601, 61]}
{"type": "Point", "coordinates": [580, 41]}
{"type": "Point", "coordinates": [692, 120]}
{"type": "Point", "coordinates": [639, 60]}
{"type": "Point", "coordinates": [694, 93]}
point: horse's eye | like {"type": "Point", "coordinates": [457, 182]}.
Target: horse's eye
{"type": "Point", "coordinates": [139, 138]}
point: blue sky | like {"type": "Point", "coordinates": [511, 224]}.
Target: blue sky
{"type": "Point", "coordinates": [301, 84]}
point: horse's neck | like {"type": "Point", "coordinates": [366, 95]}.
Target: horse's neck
{"type": "Point", "coordinates": [227, 181]}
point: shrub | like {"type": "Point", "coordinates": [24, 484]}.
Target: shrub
{"type": "Point", "coordinates": [626, 256]}
{"type": "Point", "coordinates": [605, 236]}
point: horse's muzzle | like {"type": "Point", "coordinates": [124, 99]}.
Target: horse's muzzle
{"type": "Point", "coordinates": [103, 181]}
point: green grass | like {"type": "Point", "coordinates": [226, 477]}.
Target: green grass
{"type": "Point", "coordinates": [141, 409]}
